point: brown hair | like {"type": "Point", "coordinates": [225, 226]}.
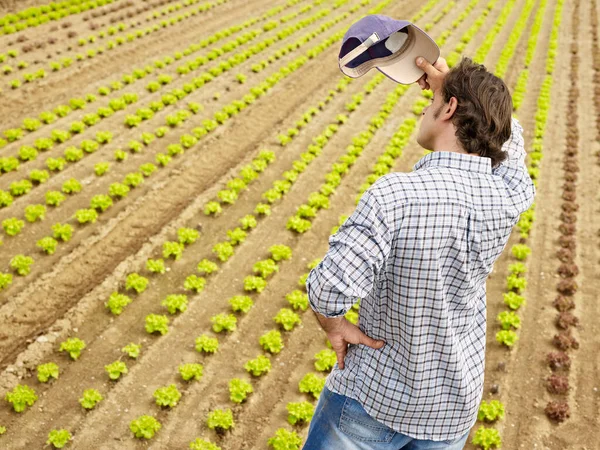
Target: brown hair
{"type": "Point", "coordinates": [483, 115]}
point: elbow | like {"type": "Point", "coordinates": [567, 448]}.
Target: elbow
{"type": "Point", "coordinates": [317, 298]}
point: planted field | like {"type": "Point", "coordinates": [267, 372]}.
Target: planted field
{"type": "Point", "coordinates": [171, 170]}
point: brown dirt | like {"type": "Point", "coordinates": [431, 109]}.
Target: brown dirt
{"type": "Point", "coordinates": [65, 293]}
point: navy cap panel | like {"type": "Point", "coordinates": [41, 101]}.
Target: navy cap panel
{"type": "Point", "coordinates": [350, 45]}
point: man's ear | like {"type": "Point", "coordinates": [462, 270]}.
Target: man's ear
{"type": "Point", "coordinates": [449, 108]}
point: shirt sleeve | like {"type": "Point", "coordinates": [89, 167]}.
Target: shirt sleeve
{"type": "Point", "coordinates": [357, 252]}
{"type": "Point", "coordinates": [513, 170]}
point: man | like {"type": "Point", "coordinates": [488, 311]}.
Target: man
{"type": "Point", "coordinates": [417, 251]}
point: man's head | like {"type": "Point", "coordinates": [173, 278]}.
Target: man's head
{"type": "Point", "coordinates": [470, 111]}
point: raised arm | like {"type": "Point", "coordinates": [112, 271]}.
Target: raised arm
{"type": "Point", "coordinates": [513, 170]}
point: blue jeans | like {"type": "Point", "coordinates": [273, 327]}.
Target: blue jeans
{"type": "Point", "coordinates": [341, 423]}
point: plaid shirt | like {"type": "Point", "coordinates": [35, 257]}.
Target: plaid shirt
{"type": "Point", "coordinates": [417, 252]}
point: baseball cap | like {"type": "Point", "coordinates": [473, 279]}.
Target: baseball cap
{"type": "Point", "coordinates": [388, 44]}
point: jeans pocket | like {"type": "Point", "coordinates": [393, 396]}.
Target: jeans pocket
{"type": "Point", "coordinates": [359, 425]}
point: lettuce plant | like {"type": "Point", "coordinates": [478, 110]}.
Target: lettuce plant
{"type": "Point", "coordinates": [263, 209]}
{"type": "Point", "coordinates": [21, 396]}
{"type": "Point", "coordinates": [236, 236]}
{"type": "Point", "coordinates": [175, 303]}
{"type": "Point", "coordinates": [187, 235]}
{"type": "Point", "coordinates": [507, 337]}
{"type": "Point", "coordinates": [253, 283]}
{"type": "Point", "coordinates": [248, 222]}
{"type": "Point", "coordinates": [144, 427]}
{"type": "Point", "coordinates": [490, 411]}
{"type": "Point", "coordinates": [133, 179]}
{"type": "Point", "coordinates": [116, 369]}
{"type": "Point", "coordinates": [101, 202]}
{"type": "Point", "coordinates": [516, 283]}
{"type": "Point", "coordinates": [22, 187]}
{"type": "Point", "coordinates": [271, 341]}
{"type": "Point", "coordinates": [287, 318]}
{"type": "Point", "coordinates": [136, 282]}
{"type": "Point", "coordinates": [239, 390]}
{"type": "Point", "coordinates": [201, 444]}
{"type": "Point", "coordinates": [132, 350]}
{"type": "Point", "coordinates": [223, 321]}
{"type": "Point", "coordinates": [118, 190]}
{"type": "Point", "coordinates": [220, 420]}
{"type": "Point", "coordinates": [241, 303]}
{"type": "Point", "coordinates": [39, 176]}
{"type": "Point", "coordinates": [298, 224]}
{"type": "Point", "coordinates": [191, 371]}
{"type": "Point", "coordinates": [62, 231]}
{"type": "Point", "coordinates": [86, 215]}
{"type": "Point", "coordinates": [9, 164]}
{"type": "Point", "coordinates": [517, 268]}
{"type": "Point", "coordinates": [509, 319]}
{"type": "Point", "coordinates": [212, 208]}
{"type": "Point", "coordinates": [298, 300]}
{"type": "Point", "coordinates": [156, 265]}
{"type": "Point", "coordinates": [300, 412]}
{"type": "Point", "coordinates": [73, 346]}
{"type": "Point", "coordinates": [90, 398]}
{"type": "Point", "coordinates": [117, 302]}
{"type": "Point", "coordinates": [172, 249]}
{"type": "Point", "coordinates": [520, 251]}
{"type": "Point", "coordinates": [258, 366]}
{"type": "Point", "coordinates": [12, 226]}
{"type": "Point", "coordinates": [59, 438]}
{"type": "Point", "coordinates": [120, 155]}
{"type": "Point", "coordinates": [5, 280]}
{"type": "Point", "coordinates": [237, 185]}
{"type": "Point", "coordinates": [167, 396]}
{"type": "Point", "coordinates": [513, 300]}
{"type": "Point", "coordinates": [27, 153]}
{"type": "Point", "coordinates": [101, 168]}
{"type": "Point", "coordinates": [207, 267]}
{"type": "Point", "coordinates": [312, 383]}
{"type": "Point", "coordinates": [325, 360]}
{"type": "Point", "coordinates": [21, 264]}
{"type": "Point", "coordinates": [352, 316]}
{"type": "Point", "coordinates": [73, 154]}
{"type": "Point", "coordinates": [194, 283]}
{"type": "Point", "coordinates": [157, 323]}
{"type": "Point", "coordinates": [47, 371]}
{"type": "Point", "coordinates": [266, 267]}
{"type": "Point", "coordinates": [56, 164]}
{"type": "Point", "coordinates": [206, 344]}
{"type": "Point", "coordinates": [487, 438]}
{"type": "Point", "coordinates": [285, 440]}
{"type": "Point", "coordinates": [5, 198]}
{"type": "Point", "coordinates": [223, 250]}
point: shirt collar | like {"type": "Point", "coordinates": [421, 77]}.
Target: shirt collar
{"type": "Point", "coordinates": [455, 160]}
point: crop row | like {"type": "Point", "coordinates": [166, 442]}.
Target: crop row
{"type": "Point", "coordinates": [516, 280]}
{"type": "Point", "coordinates": [48, 117]}
{"type": "Point", "coordinates": [558, 383]}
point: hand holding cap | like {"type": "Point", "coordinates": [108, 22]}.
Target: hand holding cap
{"type": "Point", "coordinates": [434, 74]}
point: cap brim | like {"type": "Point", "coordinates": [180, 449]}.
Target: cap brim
{"type": "Point", "coordinates": [403, 68]}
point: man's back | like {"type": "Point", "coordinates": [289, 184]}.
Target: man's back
{"type": "Point", "coordinates": [417, 251]}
